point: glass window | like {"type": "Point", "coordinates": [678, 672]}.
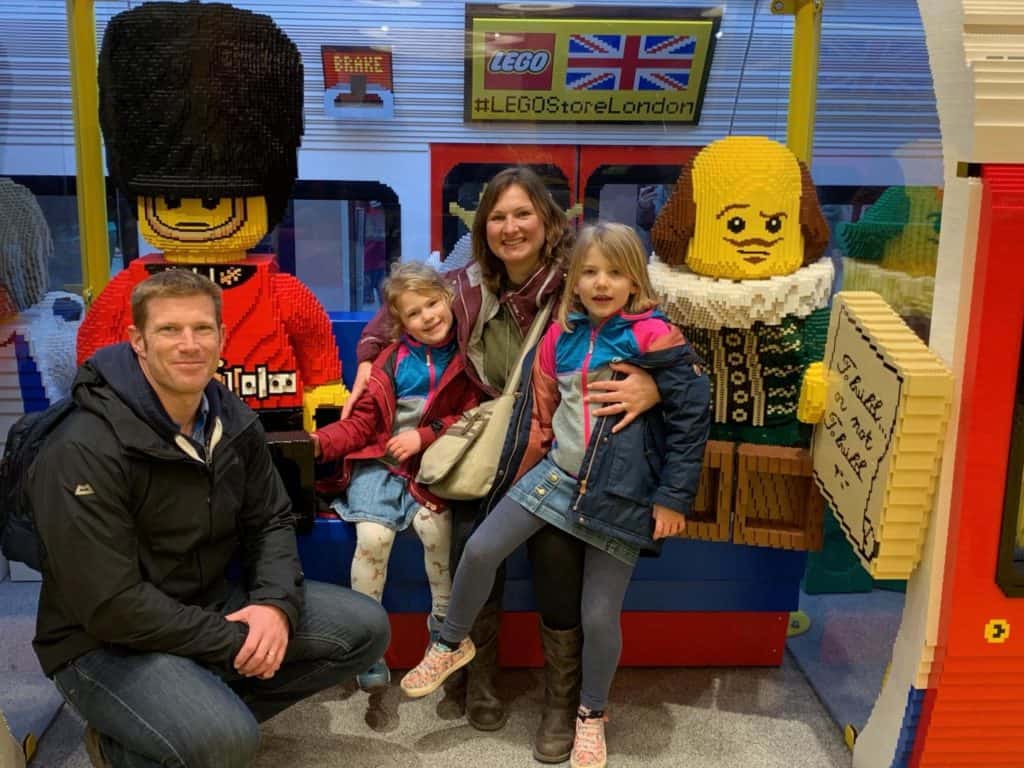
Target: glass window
{"type": "Point", "coordinates": [886, 240]}
{"type": "Point", "coordinates": [58, 199]}
{"type": "Point", "coordinates": [629, 194]}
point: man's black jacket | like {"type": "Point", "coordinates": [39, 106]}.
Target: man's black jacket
{"type": "Point", "coordinates": [140, 524]}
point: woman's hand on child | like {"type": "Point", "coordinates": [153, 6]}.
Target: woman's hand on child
{"type": "Point", "coordinates": [667, 522]}
{"type": "Point", "coordinates": [405, 445]}
{"type": "Point", "coordinates": [630, 396]}
{"type": "Point", "coordinates": [358, 386]}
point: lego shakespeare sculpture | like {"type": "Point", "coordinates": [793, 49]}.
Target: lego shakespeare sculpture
{"type": "Point", "coordinates": [739, 266]}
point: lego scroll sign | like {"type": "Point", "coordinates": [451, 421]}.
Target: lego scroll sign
{"type": "Point", "coordinates": [877, 450]}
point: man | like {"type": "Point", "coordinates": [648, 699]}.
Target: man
{"type": "Point", "coordinates": [143, 497]}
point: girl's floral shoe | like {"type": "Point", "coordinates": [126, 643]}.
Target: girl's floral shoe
{"type": "Point", "coordinates": [440, 662]}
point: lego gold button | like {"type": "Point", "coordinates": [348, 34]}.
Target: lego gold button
{"type": "Point", "coordinates": [539, 490]}
{"type": "Point", "coordinates": [553, 477]}
{"type": "Point", "coordinates": [997, 631]}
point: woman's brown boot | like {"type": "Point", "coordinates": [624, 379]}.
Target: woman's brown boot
{"type": "Point", "coordinates": [484, 710]}
{"type": "Point", "coordinates": [562, 674]}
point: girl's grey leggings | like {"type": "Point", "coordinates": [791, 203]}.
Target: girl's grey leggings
{"type": "Point", "coordinates": [604, 586]}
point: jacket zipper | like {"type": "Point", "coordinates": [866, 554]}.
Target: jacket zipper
{"type": "Point", "coordinates": [585, 388]}
{"type": "Point", "coordinates": [592, 453]}
{"type": "Point", "coordinates": [431, 373]}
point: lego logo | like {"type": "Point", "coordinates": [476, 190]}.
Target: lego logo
{"type": "Point", "coordinates": [533, 62]}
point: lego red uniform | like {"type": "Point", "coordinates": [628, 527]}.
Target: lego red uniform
{"type": "Point", "coordinates": [279, 338]}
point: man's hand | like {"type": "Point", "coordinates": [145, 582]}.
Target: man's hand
{"type": "Point", "coordinates": [358, 387]}
{"type": "Point", "coordinates": [404, 445]}
{"type": "Point", "coordinates": [667, 522]}
{"type": "Point", "coordinates": [264, 648]}
{"type": "Point", "coordinates": [630, 396]}
{"type": "Point", "coordinates": [317, 450]}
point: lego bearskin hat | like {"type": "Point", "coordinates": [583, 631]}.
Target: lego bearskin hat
{"type": "Point", "coordinates": [201, 101]}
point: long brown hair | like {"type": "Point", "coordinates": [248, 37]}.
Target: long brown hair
{"type": "Point", "coordinates": [558, 236]}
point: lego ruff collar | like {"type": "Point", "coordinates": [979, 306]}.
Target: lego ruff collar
{"type": "Point", "coordinates": [707, 302]}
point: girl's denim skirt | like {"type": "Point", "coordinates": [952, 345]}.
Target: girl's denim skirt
{"type": "Point", "coordinates": [377, 495]}
{"type": "Point", "coordinates": [547, 491]}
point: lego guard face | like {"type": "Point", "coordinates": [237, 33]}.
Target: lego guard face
{"type": "Point", "coordinates": [208, 230]}
{"type": "Point", "coordinates": [747, 193]}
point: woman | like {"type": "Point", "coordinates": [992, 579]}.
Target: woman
{"type": "Point", "coordinates": [521, 240]}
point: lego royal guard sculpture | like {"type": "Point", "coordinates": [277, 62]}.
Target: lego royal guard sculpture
{"type": "Point", "coordinates": [201, 111]}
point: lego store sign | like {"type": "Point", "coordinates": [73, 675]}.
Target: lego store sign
{"type": "Point", "coordinates": [877, 449]}
{"type": "Point", "coordinates": [358, 82]}
{"type": "Point", "coordinates": [587, 64]}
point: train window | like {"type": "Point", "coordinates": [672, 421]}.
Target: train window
{"type": "Point", "coordinates": [629, 194]}
{"type": "Point", "coordinates": [886, 240]}
{"type": "Point", "coordinates": [463, 186]}
{"type": "Point", "coordinates": [58, 199]}
{"type": "Point", "coordinates": [339, 238]}
{"type": "Point", "coordinates": [1010, 569]}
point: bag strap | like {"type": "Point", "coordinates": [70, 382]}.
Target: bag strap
{"type": "Point", "coordinates": [533, 336]}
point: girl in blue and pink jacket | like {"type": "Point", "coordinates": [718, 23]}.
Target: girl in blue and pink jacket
{"type": "Point", "coordinates": [619, 490]}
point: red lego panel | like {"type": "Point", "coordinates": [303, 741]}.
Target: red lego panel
{"type": "Point", "coordinates": [979, 663]}
{"type": "Point", "coordinates": [649, 639]}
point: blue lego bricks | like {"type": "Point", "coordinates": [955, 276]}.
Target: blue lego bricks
{"type": "Point", "coordinates": [348, 327]}
{"type": "Point", "coordinates": [689, 576]}
{"type": "Point", "coordinates": [908, 730]}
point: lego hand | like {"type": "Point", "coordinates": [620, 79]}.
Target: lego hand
{"type": "Point", "coordinates": [813, 391]}
{"type": "Point", "coordinates": [264, 648]}
{"type": "Point", "coordinates": [667, 522]}
{"type": "Point", "coordinates": [325, 394]}
{"type": "Point", "coordinates": [362, 376]}
{"type": "Point", "coordinates": [405, 445]}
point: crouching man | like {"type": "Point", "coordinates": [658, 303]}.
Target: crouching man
{"type": "Point", "coordinates": [173, 614]}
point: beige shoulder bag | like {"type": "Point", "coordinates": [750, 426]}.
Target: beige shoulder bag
{"type": "Point", "coordinates": [461, 464]}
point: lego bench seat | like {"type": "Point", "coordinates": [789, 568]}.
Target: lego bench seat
{"type": "Point", "coordinates": [699, 603]}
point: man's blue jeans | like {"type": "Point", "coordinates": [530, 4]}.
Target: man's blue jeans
{"type": "Point", "coordinates": [155, 709]}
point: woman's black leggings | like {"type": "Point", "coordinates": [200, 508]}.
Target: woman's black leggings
{"type": "Point", "coordinates": [557, 560]}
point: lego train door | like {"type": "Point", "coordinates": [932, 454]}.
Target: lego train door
{"type": "Point", "coordinates": [972, 708]}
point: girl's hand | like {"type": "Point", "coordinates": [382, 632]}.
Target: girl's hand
{"type": "Point", "coordinates": [630, 396]}
{"type": "Point", "coordinates": [316, 445]}
{"type": "Point", "coordinates": [667, 522]}
{"type": "Point", "coordinates": [405, 445]}
{"type": "Point", "coordinates": [358, 387]}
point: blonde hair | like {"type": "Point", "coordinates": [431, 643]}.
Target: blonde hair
{"type": "Point", "coordinates": [620, 245]}
{"type": "Point", "coordinates": [412, 276]}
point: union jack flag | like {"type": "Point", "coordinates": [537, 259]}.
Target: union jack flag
{"type": "Point", "coordinates": [629, 62]}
